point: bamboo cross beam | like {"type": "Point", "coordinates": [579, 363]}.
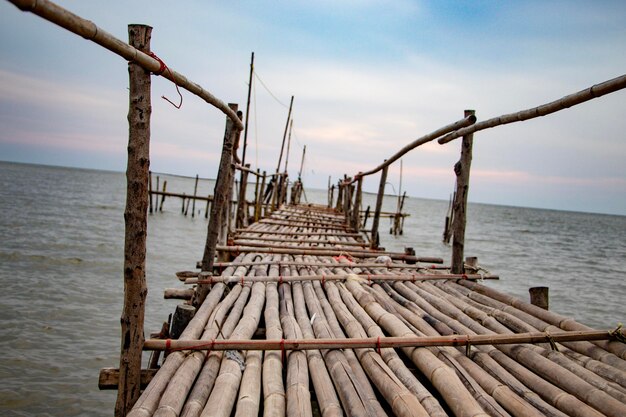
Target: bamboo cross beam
{"type": "Point", "coordinates": [296, 244]}
{"type": "Point", "coordinates": [183, 275]}
{"type": "Point", "coordinates": [311, 224]}
{"type": "Point", "coordinates": [328, 252]}
{"type": "Point", "coordinates": [275, 232]}
{"type": "Point", "coordinates": [240, 241]}
{"type": "Point", "coordinates": [368, 279]}
{"type": "Point", "coordinates": [296, 217]}
{"type": "Point", "coordinates": [90, 31]}
{"type": "Point", "coordinates": [179, 195]}
{"type": "Point", "coordinates": [384, 342]}
{"type": "Point", "coordinates": [595, 91]}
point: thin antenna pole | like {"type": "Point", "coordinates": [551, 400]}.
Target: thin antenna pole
{"type": "Point", "coordinates": [245, 129]}
{"type": "Point", "coordinates": [282, 147]}
{"type": "Point", "coordinates": [288, 145]}
{"type": "Point", "coordinates": [302, 163]}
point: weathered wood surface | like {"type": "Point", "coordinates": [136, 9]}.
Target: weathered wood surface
{"type": "Point", "coordinates": [380, 338]}
{"type": "Point", "coordinates": [135, 217]}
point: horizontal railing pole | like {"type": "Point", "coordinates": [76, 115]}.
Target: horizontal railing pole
{"type": "Point", "coordinates": [418, 142]}
{"type": "Point", "coordinates": [568, 101]}
{"type": "Point", "coordinates": [204, 278]}
{"type": "Point", "coordinates": [90, 31]}
{"type": "Point", "coordinates": [383, 342]}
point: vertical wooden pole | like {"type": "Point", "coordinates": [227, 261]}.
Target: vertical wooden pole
{"type": "Point", "coordinates": [330, 194]}
{"type": "Point", "coordinates": [302, 164]}
{"type": "Point", "coordinates": [135, 216]}
{"type": "Point", "coordinates": [245, 129]}
{"type": "Point", "coordinates": [356, 210]}
{"type": "Point", "coordinates": [379, 205]}
{"type": "Point", "coordinates": [150, 190]}
{"type": "Point", "coordinates": [282, 147]}
{"type": "Point", "coordinates": [163, 196]}
{"type": "Point", "coordinates": [195, 190]}
{"type": "Point", "coordinates": [220, 203]}
{"type": "Point", "coordinates": [241, 199]}
{"type": "Point", "coordinates": [462, 171]}
{"type": "Point", "coordinates": [259, 201]}
{"type": "Point", "coordinates": [347, 201]}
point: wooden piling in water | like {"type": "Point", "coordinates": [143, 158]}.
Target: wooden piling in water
{"type": "Point", "coordinates": [379, 204]}
{"type": "Point", "coordinates": [462, 171]}
{"type": "Point", "coordinates": [220, 203]}
{"type": "Point", "coordinates": [135, 215]}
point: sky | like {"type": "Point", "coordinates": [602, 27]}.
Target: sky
{"type": "Point", "coordinates": [368, 77]}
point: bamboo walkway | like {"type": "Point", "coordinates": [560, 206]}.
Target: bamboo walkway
{"type": "Point", "coordinates": [303, 321]}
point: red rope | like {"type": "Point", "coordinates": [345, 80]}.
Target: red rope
{"type": "Point", "coordinates": [378, 345]}
{"type": "Point", "coordinates": [162, 68]}
{"type": "Point", "coordinates": [168, 344]}
{"type": "Point", "coordinates": [282, 351]}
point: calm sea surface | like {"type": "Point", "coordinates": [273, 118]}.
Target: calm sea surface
{"type": "Point", "coordinates": [61, 254]}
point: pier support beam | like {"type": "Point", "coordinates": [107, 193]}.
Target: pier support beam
{"type": "Point", "coordinates": [135, 216]}
{"type": "Point", "coordinates": [459, 209]}
{"type": "Point", "coordinates": [379, 205]}
{"type": "Point", "coordinates": [221, 203]}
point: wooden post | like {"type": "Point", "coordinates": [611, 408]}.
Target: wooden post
{"type": "Point", "coordinates": [135, 216]}
{"type": "Point", "coordinates": [329, 194]}
{"type": "Point", "coordinates": [539, 296]}
{"type": "Point", "coordinates": [208, 207]}
{"type": "Point", "coordinates": [195, 191]}
{"type": "Point", "coordinates": [259, 201]}
{"type": "Point", "coordinates": [356, 210]}
{"type": "Point", "coordinates": [150, 190]}
{"type": "Point", "coordinates": [245, 129]}
{"type": "Point", "coordinates": [459, 209]}
{"type": "Point", "coordinates": [379, 205]}
{"type": "Point", "coordinates": [220, 203]}
{"type": "Point", "coordinates": [163, 196]}
{"type": "Point", "coordinates": [282, 147]}
{"type": "Point", "coordinates": [242, 217]}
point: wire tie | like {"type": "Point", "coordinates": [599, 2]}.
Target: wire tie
{"type": "Point", "coordinates": [468, 349]}
{"type": "Point", "coordinates": [552, 343]}
{"type": "Point", "coordinates": [617, 334]}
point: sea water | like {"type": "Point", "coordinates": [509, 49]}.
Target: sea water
{"type": "Point", "coordinates": [61, 257]}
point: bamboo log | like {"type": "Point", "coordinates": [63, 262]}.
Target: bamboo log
{"type": "Point", "coordinates": [336, 331]}
{"type": "Point", "coordinates": [401, 400]}
{"type": "Point", "coordinates": [178, 293]}
{"type": "Point", "coordinates": [326, 252]}
{"type": "Point", "coordinates": [443, 378]}
{"type": "Point", "coordinates": [348, 385]}
{"type": "Point", "coordinates": [90, 31]}
{"type": "Point", "coordinates": [368, 279]}
{"type": "Point", "coordinates": [222, 398]}
{"type": "Point", "coordinates": [240, 239]}
{"type": "Point", "coordinates": [251, 230]}
{"type": "Point", "coordinates": [430, 404]}
{"type": "Point", "coordinates": [595, 91]}
{"type": "Point", "coordinates": [248, 401]}
{"type": "Point", "coordinates": [297, 382]}
{"type": "Point", "coordinates": [565, 323]}
{"type": "Point", "coordinates": [322, 382]}
{"type": "Point", "coordinates": [149, 399]}
{"type": "Point", "coordinates": [273, 387]}
{"type": "Point", "coordinates": [179, 386]}
{"type": "Point", "coordinates": [560, 377]}
{"type": "Point", "coordinates": [135, 215]}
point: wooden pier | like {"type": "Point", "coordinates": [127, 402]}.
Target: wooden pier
{"type": "Point", "coordinates": [294, 311]}
{"type": "Point", "coordinates": [300, 320]}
